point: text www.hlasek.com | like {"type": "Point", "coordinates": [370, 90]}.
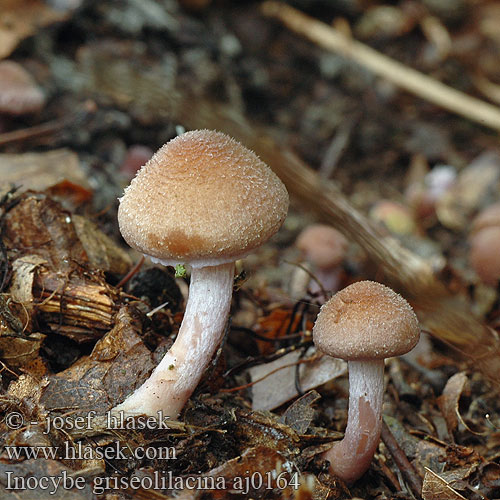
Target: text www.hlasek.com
{"type": "Point", "coordinates": [82, 451]}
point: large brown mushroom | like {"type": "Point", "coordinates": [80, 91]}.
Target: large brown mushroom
{"type": "Point", "coordinates": [207, 201]}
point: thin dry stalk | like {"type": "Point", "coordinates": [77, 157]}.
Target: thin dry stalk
{"type": "Point", "coordinates": [407, 78]}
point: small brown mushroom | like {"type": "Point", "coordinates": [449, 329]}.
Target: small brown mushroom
{"type": "Point", "coordinates": [324, 248]}
{"type": "Point", "coordinates": [484, 242]}
{"type": "Point", "coordinates": [204, 200]}
{"type": "Point", "coordinates": [19, 93]}
{"type": "Point", "coordinates": [363, 324]}
{"type": "Point", "coordinates": [397, 218]}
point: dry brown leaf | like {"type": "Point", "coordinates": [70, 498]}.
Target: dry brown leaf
{"type": "Point", "coordinates": [300, 413]}
{"type": "Point", "coordinates": [100, 380]}
{"type": "Point", "coordinates": [275, 381]}
{"type": "Point", "coordinates": [436, 488]}
{"type": "Point", "coordinates": [38, 171]}
{"type": "Point", "coordinates": [261, 461]}
{"type": "Point", "coordinates": [27, 389]}
{"type": "Point", "coordinates": [37, 225]}
{"type": "Point", "coordinates": [23, 276]}
{"type": "Point", "coordinates": [275, 325]}
{"type": "Point", "coordinates": [449, 399]}
{"type": "Point", "coordinates": [102, 251]}
{"type": "Point", "coordinates": [22, 18]}
{"type": "Point", "coordinates": [17, 352]}
{"type": "Point", "coordinates": [256, 429]}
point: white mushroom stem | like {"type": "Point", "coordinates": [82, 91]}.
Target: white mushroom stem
{"type": "Point", "coordinates": [350, 458]}
{"type": "Point", "coordinates": [176, 377]}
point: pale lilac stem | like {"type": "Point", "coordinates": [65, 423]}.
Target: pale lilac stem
{"type": "Point", "coordinates": [179, 372]}
{"type": "Point", "coordinates": [350, 458]}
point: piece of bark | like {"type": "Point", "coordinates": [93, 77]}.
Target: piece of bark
{"type": "Point", "coordinates": [78, 305]}
{"type": "Point", "coordinates": [17, 349]}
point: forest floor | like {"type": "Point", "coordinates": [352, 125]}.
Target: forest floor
{"type": "Point", "coordinates": [382, 121]}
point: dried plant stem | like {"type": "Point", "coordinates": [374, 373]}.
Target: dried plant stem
{"type": "Point", "coordinates": [407, 78]}
{"type": "Point", "coordinates": [409, 473]}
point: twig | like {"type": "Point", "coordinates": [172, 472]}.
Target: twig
{"type": "Point", "coordinates": [131, 273]}
{"type": "Point", "coordinates": [32, 132]}
{"type": "Point", "coordinates": [77, 118]}
{"type": "Point", "coordinates": [336, 148]}
{"type": "Point", "coordinates": [404, 465]}
{"type": "Point", "coordinates": [415, 82]}
{"type": "Point", "coordinates": [282, 367]}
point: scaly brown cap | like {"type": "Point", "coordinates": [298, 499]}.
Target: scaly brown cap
{"type": "Point", "coordinates": [366, 320]}
{"type": "Point", "coordinates": [202, 199]}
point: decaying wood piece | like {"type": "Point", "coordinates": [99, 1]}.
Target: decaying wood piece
{"type": "Point", "coordinates": [77, 307]}
{"type": "Point", "coordinates": [446, 316]}
{"type": "Point", "coordinates": [53, 275]}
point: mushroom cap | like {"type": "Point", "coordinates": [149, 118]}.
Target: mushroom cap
{"type": "Point", "coordinates": [488, 217]}
{"type": "Point", "coordinates": [202, 199]}
{"type": "Point", "coordinates": [366, 320]}
{"type": "Point", "coordinates": [484, 254]}
{"type": "Point", "coordinates": [323, 245]}
{"type": "Point", "coordinates": [19, 93]}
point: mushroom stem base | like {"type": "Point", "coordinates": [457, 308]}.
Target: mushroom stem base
{"type": "Point", "coordinates": [350, 458]}
{"type": "Point", "coordinates": [176, 377]}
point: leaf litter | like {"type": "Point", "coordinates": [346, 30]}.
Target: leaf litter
{"type": "Point", "coordinates": [76, 334]}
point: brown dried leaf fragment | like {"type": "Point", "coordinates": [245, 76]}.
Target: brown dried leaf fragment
{"type": "Point", "coordinates": [436, 488]}
{"type": "Point", "coordinates": [101, 250]}
{"type": "Point", "coordinates": [449, 399]}
{"type": "Point", "coordinates": [39, 171]}
{"type": "Point", "coordinates": [300, 413]}
{"type": "Point", "coordinates": [254, 429]}
{"type": "Point", "coordinates": [37, 225]}
{"type": "Point", "coordinates": [17, 349]}
{"type": "Point", "coordinates": [264, 464]}
{"type": "Point", "coordinates": [98, 381]}
{"type": "Point", "coordinates": [16, 352]}
{"type": "Point", "coordinates": [22, 18]}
